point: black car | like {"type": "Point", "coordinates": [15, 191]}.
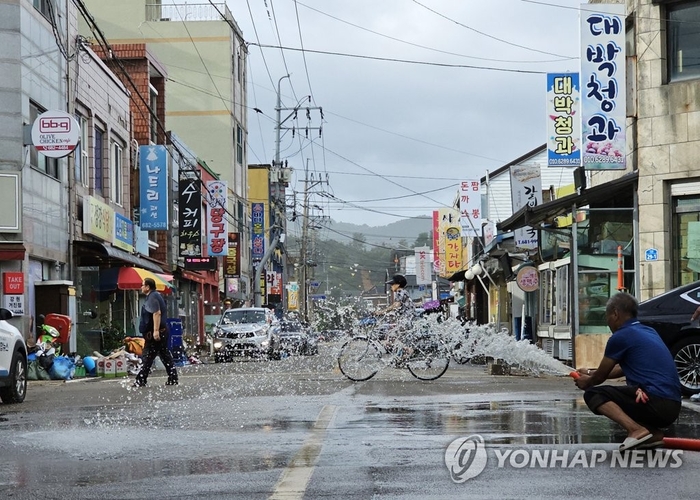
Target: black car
{"type": "Point", "coordinates": [669, 314]}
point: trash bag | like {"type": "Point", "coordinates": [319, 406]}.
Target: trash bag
{"type": "Point", "coordinates": [46, 360]}
{"type": "Point", "coordinates": [63, 368]}
{"type": "Point", "coordinates": [37, 372]}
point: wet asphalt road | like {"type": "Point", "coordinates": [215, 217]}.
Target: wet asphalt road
{"type": "Point", "coordinates": [296, 428]}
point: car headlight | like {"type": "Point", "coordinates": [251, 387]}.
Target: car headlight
{"type": "Point", "coordinates": [217, 345]}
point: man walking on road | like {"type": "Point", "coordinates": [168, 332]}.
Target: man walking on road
{"type": "Point", "coordinates": [155, 332]}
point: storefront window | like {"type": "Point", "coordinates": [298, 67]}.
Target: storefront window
{"type": "Point", "coordinates": [606, 239]}
{"type": "Point", "coordinates": [686, 238]}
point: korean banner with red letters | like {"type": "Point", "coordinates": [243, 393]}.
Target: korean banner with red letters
{"type": "Point", "coordinates": [470, 207]}
{"type": "Point", "coordinates": [217, 223]}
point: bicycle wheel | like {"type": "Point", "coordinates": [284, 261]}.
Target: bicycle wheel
{"type": "Point", "coordinates": [428, 364]}
{"type": "Point", "coordinates": [359, 359]}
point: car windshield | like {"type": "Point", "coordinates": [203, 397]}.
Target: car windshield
{"type": "Point", "coordinates": [243, 316]}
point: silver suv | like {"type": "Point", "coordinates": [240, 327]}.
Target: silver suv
{"type": "Point", "coordinates": [13, 361]}
{"type": "Point", "coordinates": [244, 331]}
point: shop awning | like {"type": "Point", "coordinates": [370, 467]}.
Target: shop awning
{"type": "Point", "coordinates": [106, 250]}
{"type": "Point", "coordinates": [12, 251]}
{"type": "Point", "coordinates": [531, 216]}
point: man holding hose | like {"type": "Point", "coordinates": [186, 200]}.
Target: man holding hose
{"type": "Point", "coordinates": [652, 397]}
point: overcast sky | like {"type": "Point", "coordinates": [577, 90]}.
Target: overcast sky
{"type": "Point", "coordinates": [394, 129]}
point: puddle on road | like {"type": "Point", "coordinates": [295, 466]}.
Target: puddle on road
{"type": "Point", "coordinates": [513, 422]}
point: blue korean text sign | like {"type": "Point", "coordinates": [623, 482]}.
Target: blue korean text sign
{"type": "Point", "coordinates": [603, 87]}
{"type": "Point", "coordinates": [258, 236]}
{"type": "Point", "coordinates": [153, 164]}
{"type": "Point", "coordinates": [563, 120]}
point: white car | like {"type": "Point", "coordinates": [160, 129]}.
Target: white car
{"type": "Point", "coordinates": [244, 331]}
{"type": "Point", "coordinates": [13, 361]}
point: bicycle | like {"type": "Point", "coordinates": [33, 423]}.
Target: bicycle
{"type": "Point", "coordinates": [423, 353]}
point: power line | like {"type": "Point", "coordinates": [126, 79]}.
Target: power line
{"type": "Point", "coordinates": [415, 139]}
{"type": "Point", "coordinates": [405, 61]}
{"type": "Point", "coordinates": [301, 42]}
{"type": "Point", "coordinates": [109, 54]}
{"type": "Point", "coordinates": [487, 35]}
{"type": "Point", "coordinates": [184, 24]}
{"type": "Point", "coordinates": [279, 39]}
{"type": "Point", "coordinates": [426, 47]}
{"type": "Point", "coordinates": [255, 30]}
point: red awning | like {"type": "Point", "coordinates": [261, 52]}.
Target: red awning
{"type": "Point", "coordinates": [12, 251]}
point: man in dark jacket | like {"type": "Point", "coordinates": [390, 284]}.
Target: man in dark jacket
{"type": "Point", "coordinates": [155, 332]}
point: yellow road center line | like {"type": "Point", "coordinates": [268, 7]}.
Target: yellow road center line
{"type": "Point", "coordinates": [295, 478]}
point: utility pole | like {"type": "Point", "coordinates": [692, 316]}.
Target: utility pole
{"type": "Point", "coordinates": [277, 164]}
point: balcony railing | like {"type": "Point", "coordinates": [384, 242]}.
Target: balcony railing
{"type": "Point", "coordinates": [179, 12]}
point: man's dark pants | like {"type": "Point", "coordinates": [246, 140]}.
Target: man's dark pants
{"type": "Point", "coordinates": [152, 349]}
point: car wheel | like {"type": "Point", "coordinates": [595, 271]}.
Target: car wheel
{"type": "Point", "coordinates": [16, 392]}
{"type": "Point", "coordinates": [686, 355]}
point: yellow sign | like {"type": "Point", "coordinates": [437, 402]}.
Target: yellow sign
{"type": "Point", "coordinates": [98, 219]}
{"type": "Point", "coordinates": [293, 296]}
{"type": "Point", "coordinates": [450, 241]}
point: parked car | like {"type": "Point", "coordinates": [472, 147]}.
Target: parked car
{"type": "Point", "coordinates": [13, 361]}
{"type": "Point", "coordinates": [291, 337]}
{"type": "Point", "coordinates": [245, 331]}
{"type": "Point", "coordinates": [669, 314]}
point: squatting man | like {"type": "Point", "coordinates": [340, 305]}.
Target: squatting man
{"type": "Point", "coordinates": [651, 400]}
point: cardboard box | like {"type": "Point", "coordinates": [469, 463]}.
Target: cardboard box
{"type": "Point", "coordinates": [120, 366]}
{"type": "Point", "coordinates": [101, 367]}
{"type": "Point", "coordinates": [109, 368]}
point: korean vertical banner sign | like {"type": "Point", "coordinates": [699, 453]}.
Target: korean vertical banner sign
{"type": "Point", "coordinates": [424, 271]}
{"type": "Point", "coordinates": [217, 224]}
{"type": "Point", "coordinates": [603, 106]}
{"type": "Point", "coordinates": [436, 241]}
{"type": "Point", "coordinates": [563, 120]}
{"type": "Point", "coordinates": [526, 190]}
{"type": "Point", "coordinates": [450, 241]}
{"type": "Point", "coordinates": [153, 177]}
{"type": "Point", "coordinates": [258, 239]}
{"type": "Point", "coordinates": [232, 263]}
{"type": "Point", "coordinates": [190, 216]}
{"type": "Point", "coordinates": [470, 207]}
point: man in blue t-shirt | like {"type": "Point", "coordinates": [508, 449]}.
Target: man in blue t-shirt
{"type": "Point", "coordinates": [652, 397]}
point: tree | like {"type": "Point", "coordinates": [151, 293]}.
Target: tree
{"type": "Point", "coordinates": [358, 241]}
{"type": "Point", "coordinates": [423, 240]}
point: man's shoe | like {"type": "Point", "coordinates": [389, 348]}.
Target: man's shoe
{"type": "Point", "coordinates": [172, 382]}
{"type": "Point", "coordinates": [136, 384]}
